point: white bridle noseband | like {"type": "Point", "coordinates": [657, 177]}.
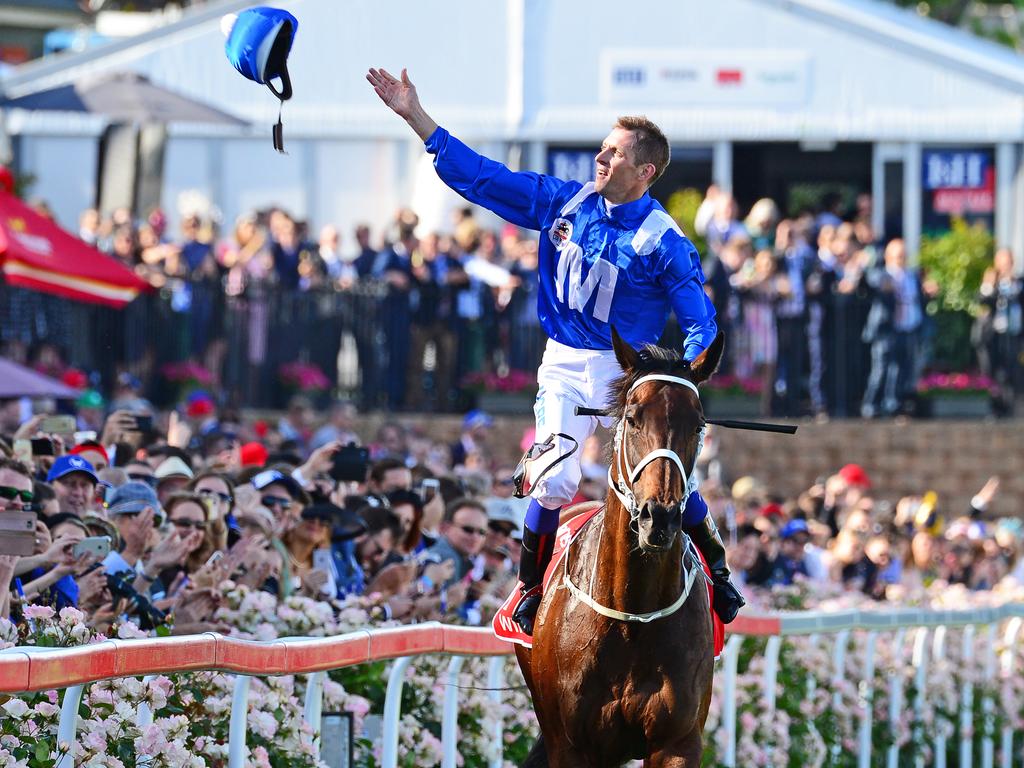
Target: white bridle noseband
{"type": "Point", "coordinates": [628, 475]}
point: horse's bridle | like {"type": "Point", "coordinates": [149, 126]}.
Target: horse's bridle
{"type": "Point", "coordinates": [628, 475]}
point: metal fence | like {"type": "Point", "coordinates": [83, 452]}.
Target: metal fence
{"type": "Point", "coordinates": [375, 348]}
{"type": "Point", "coordinates": [24, 669]}
{"type": "Point", "coordinates": [362, 339]}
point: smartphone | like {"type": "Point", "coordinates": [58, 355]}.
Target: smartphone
{"type": "Point", "coordinates": [17, 533]}
{"type": "Point", "coordinates": [23, 451]}
{"type": "Point", "coordinates": [42, 446]}
{"type": "Point", "coordinates": [429, 489]}
{"type": "Point", "coordinates": [350, 463]}
{"type": "Point", "coordinates": [215, 557]}
{"type": "Point", "coordinates": [323, 560]}
{"type": "Point", "coordinates": [143, 422]}
{"type": "Point", "coordinates": [58, 425]}
{"type": "Point", "coordinates": [85, 436]}
{"type": "Point", "coordinates": [99, 546]}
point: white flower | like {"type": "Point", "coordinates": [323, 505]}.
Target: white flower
{"type": "Point", "coordinates": [16, 708]}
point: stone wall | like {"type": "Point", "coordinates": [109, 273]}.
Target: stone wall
{"type": "Point", "coordinates": [953, 458]}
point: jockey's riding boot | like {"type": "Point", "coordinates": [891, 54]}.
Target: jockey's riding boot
{"type": "Point", "coordinates": [533, 561]}
{"type": "Point", "coordinates": [728, 600]}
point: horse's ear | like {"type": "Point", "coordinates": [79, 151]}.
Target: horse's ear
{"type": "Point", "coordinates": [706, 363]}
{"type": "Point", "coordinates": [625, 354]}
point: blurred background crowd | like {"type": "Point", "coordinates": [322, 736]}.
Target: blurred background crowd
{"type": "Point", "coordinates": [150, 516]}
{"type": "Point", "coordinates": [822, 318]}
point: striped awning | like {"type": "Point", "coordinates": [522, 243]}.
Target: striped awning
{"type": "Point", "coordinates": [36, 253]}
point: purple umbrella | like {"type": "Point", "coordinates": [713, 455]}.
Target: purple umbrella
{"type": "Point", "coordinates": [19, 381]}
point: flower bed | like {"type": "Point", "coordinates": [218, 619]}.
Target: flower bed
{"type": "Point", "coordinates": [815, 722]}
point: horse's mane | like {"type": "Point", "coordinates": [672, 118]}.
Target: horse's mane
{"type": "Point", "coordinates": [653, 359]}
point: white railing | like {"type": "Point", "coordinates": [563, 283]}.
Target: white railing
{"type": "Point", "coordinates": [30, 668]}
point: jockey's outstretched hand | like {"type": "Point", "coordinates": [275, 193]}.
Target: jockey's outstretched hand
{"type": "Point", "coordinates": [400, 95]}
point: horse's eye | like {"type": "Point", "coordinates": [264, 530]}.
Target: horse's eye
{"type": "Point", "coordinates": [630, 414]}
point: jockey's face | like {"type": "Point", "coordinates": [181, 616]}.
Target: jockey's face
{"type": "Point", "coordinates": [618, 178]}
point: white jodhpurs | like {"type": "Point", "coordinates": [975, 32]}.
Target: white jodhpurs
{"type": "Point", "coordinates": [568, 378]}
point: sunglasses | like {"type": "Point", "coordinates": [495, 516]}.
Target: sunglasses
{"type": "Point", "coordinates": [470, 530]}
{"type": "Point", "coordinates": [504, 530]}
{"type": "Point", "coordinates": [276, 501]}
{"type": "Point", "coordinates": [198, 525]}
{"type": "Point", "coordinates": [10, 494]}
{"type": "Point", "coordinates": [506, 481]}
{"type": "Point", "coordinates": [149, 480]}
{"type": "Point", "coordinates": [209, 492]}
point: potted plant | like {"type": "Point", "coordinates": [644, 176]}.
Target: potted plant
{"type": "Point", "coordinates": [185, 376]}
{"type": "Point", "coordinates": [512, 392]}
{"type": "Point", "coordinates": [732, 395]}
{"type": "Point", "coordinates": [308, 379]}
{"type": "Point", "coordinates": [956, 395]}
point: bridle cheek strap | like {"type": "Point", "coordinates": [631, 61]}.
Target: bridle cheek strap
{"type": "Point", "coordinates": [627, 476]}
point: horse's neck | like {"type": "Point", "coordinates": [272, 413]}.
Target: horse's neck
{"type": "Point", "coordinates": [629, 580]}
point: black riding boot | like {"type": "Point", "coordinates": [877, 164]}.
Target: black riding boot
{"type": "Point", "coordinates": [728, 600]}
{"type": "Point", "coordinates": [533, 561]}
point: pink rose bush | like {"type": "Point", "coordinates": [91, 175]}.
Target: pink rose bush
{"type": "Point", "coordinates": [815, 721]}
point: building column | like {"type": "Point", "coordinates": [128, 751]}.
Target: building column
{"type": "Point", "coordinates": [1007, 170]}
{"type": "Point", "coordinates": [912, 200]}
{"type": "Point", "coordinates": [1016, 242]}
{"type": "Point", "coordinates": [721, 165]}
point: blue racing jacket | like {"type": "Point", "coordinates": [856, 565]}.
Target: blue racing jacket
{"type": "Point", "coordinates": [626, 265]}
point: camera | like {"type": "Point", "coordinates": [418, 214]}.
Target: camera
{"type": "Point", "coordinates": [120, 586]}
{"type": "Point", "coordinates": [350, 463]}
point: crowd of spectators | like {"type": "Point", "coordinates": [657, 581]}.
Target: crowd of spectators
{"type": "Point", "coordinates": [822, 315]}
{"type": "Point", "coordinates": [829, 318]}
{"type": "Point", "coordinates": [150, 521]}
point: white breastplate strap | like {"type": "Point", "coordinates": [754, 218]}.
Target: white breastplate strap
{"type": "Point", "coordinates": [689, 576]}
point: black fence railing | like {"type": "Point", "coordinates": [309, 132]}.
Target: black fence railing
{"type": "Point", "coordinates": [377, 350]}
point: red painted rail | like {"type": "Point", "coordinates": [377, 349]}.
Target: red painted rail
{"type": "Point", "coordinates": [37, 669]}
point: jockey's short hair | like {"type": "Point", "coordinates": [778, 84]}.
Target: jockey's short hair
{"type": "Point", "coordinates": [649, 143]}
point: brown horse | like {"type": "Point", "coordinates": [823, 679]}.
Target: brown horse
{"type": "Point", "coordinates": [609, 689]}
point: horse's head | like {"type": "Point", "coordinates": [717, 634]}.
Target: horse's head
{"type": "Point", "coordinates": [659, 431]}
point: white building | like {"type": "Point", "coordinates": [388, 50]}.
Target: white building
{"type": "Point", "coordinates": [762, 96]}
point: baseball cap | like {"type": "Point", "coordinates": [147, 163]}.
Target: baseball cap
{"type": "Point", "coordinates": [793, 527]}
{"type": "Point", "coordinates": [66, 465]}
{"type": "Point", "coordinates": [173, 466]}
{"type": "Point", "coordinates": [90, 399]}
{"type": "Point", "coordinates": [253, 455]}
{"type": "Point", "coordinates": [271, 476]}
{"type": "Point", "coordinates": [133, 497]}
{"type": "Point", "coordinates": [477, 418]}
{"type": "Point", "coordinates": [80, 449]}
{"type": "Point", "coordinates": [854, 474]}
{"type": "Point", "coordinates": [504, 511]}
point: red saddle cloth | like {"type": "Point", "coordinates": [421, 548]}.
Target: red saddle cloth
{"type": "Point", "coordinates": [506, 628]}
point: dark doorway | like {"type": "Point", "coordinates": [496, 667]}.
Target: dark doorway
{"type": "Point", "coordinates": [798, 179]}
{"type": "Point", "coordinates": [690, 168]}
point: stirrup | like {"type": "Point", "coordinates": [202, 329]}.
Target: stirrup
{"type": "Point", "coordinates": [526, 609]}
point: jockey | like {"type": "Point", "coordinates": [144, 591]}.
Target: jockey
{"type": "Point", "coordinates": [609, 256]}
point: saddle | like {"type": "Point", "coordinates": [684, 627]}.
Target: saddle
{"type": "Point", "coordinates": [506, 628]}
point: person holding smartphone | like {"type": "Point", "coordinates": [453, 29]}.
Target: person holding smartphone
{"type": "Point", "coordinates": [57, 585]}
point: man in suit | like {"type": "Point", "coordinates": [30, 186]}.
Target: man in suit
{"type": "Point", "coordinates": [891, 329]}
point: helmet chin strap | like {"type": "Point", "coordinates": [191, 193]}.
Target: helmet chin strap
{"type": "Point", "coordinates": [628, 475]}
